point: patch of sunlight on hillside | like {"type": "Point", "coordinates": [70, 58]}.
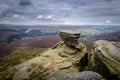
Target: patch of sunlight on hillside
{"type": "Point", "coordinates": [18, 56]}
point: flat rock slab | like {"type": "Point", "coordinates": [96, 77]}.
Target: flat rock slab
{"type": "Point", "coordinates": [65, 65]}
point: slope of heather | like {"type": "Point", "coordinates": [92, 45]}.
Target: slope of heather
{"type": "Point", "coordinates": [5, 49]}
{"type": "Point", "coordinates": [113, 36]}
{"type": "Point", "coordinates": [5, 34]}
{"type": "Point", "coordinates": [17, 56]}
{"type": "Point", "coordinates": [44, 42]}
{"type": "Point", "coordinates": [37, 42]}
{"type": "Point", "coordinates": [31, 43]}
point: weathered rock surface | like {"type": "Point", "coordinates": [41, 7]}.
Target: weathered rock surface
{"type": "Point", "coordinates": [85, 75]}
{"type": "Point", "coordinates": [70, 38]}
{"type": "Point", "coordinates": [62, 58]}
{"type": "Point", "coordinates": [49, 62]}
{"type": "Point", "coordinates": [105, 58]}
{"type": "Point", "coordinates": [67, 58]}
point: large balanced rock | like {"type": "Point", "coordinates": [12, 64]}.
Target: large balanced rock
{"type": "Point", "coordinates": [105, 58]}
{"type": "Point", "coordinates": [61, 58]}
{"type": "Point", "coordinates": [70, 38]}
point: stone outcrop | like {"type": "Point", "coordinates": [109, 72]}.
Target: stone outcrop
{"type": "Point", "coordinates": [64, 57]}
{"type": "Point", "coordinates": [49, 62]}
{"type": "Point", "coordinates": [70, 38]}
{"type": "Point", "coordinates": [67, 58]}
{"type": "Point", "coordinates": [105, 59]}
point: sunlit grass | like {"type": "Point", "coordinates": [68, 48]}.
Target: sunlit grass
{"type": "Point", "coordinates": [18, 56]}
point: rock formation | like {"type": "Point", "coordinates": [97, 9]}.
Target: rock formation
{"type": "Point", "coordinates": [67, 58]}
{"type": "Point", "coordinates": [105, 59]}
{"type": "Point", "coordinates": [70, 38]}
{"type": "Point", "coordinates": [64, 57]}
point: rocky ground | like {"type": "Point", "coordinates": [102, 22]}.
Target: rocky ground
{"type": "Point", "coordinates": [70, 60]}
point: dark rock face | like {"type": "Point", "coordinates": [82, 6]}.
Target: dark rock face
{"type": "Point", "coordinates": [69, 38]}
{"type": "Point", "coordinates": [105, 59]}
{"type": "Point", "coordinates": [85, 75]}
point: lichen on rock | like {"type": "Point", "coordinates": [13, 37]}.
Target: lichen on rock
{"type": "Point", "coordinates": [105, 58]}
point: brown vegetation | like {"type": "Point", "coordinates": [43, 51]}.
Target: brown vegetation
{"type": "Point", "coordinates": [113, 36]}
{"type": "Point", "coordinates": [37, 42]}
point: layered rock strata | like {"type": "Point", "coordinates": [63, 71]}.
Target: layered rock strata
{"type": "Point", "coordinates": [105, 59]}
{"type": "Point", "coordinates": [64, 57]}
{"type": "Point", "coordinates": [70, 38]}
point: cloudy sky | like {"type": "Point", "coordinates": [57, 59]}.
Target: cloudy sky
{"type": "Point", "coordinates": [60, 11]}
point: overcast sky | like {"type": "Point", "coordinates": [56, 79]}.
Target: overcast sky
{"type": "Point", "coordinates": [60, 11]}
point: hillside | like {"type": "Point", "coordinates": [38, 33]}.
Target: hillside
{"type": "Point", "coordinates": [111, 36]}
{"type": "Point", "coordinates": [31, 43]}
{"type": "Point", "coordinates": [37, 42]}
{"type": "Point", "coordinates": [49, 41]}
{"type": "Point", "coordinates": [67, 57]}
{"type": "Point", "coordinates": [10, 33]}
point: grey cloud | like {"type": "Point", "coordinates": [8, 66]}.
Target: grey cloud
{"type": "Point", "coordinates": [25, 2]}
{"type": "Point", "coordinates": [62, 10]}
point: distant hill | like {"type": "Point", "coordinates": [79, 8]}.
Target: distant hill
{"type": "Point", "coordinates": [31, 43]}
{"type": "Point", "coordinates": [10, 35]}
{"type": "Point", "coordinates": [45, 36]}
{"type": "Point", "coordinates": [111, 36]}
